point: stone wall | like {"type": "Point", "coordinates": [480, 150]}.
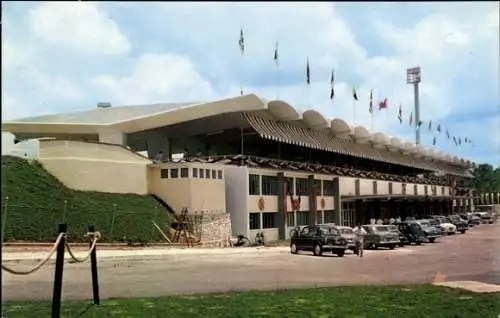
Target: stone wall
{"type": "Point", "coordinates": [215, 230]}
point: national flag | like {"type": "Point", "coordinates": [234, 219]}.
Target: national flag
{"type": "Point", "coordinates": [354, 94]}
{"type": "Point", "coordinates": [438, 128]}
{"type": "Point", "coordinates": [382, 104]}
{"type": "Point", "coordinates": [241, 42]}
{"type": "Point", "coordinates": [308, 73]}
{"type": "Point", "coordinates": [455, 141]}
{"type": "Point", "coordinates": [370, 106]}
{"type": "Point", "coordinates": [332, 84]}
{"type": "Point", "coordinates": [447, 133]}
{"type": "Point", "coordinates": [400, 114]}
{"type": "Point", "coordinates": [410, 121]}
{"type": "Point", "coordinates": [419, 123]}
{"type": "Point", "coordinates": [434, 140]}
{"type": "Point", "coordinates": [276, 55]}
{"type": "Point", "coordinates": [459, 140]}
{"type": "Point", "coordinates": [430, 125]}
{"type": "Point", "coordinates": [466, 140]}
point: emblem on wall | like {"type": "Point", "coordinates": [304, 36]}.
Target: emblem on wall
{"type": "Point", "coordinates": [322, 202]}
{"type": "Point", "coordinates": [262, 204]}
{"type": "Point", "coordinates": [295, 202]}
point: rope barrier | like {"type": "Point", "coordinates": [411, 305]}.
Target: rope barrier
{"type": "Point", "coordinates": [40, 264]}
{"type": "Point", "coordinates": [95, 236]}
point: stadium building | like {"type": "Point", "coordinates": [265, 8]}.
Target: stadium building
{"type": "Point", "coordinates": [263, 162]}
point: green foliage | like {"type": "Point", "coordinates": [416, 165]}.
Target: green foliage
{"type": "Point", "coordinates": [487, 179]}
{"type": "Point", "coordinates": [342, 302]}
{"type": "Point", "coordinates": [37, 202]}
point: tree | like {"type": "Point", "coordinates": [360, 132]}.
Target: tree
{"type": "Point", "coordinates": [487, 179]}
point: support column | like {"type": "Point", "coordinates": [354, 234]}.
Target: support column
{"type": "Point", "coordinates": [312, 201]}
{"type": "Point", "coordinates": [282, 206]}
{"type": "Point", "coordinates": [337, 202]}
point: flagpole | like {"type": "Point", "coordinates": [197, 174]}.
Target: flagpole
{"type": "Point", "coordinates": [371, 123]}
{"type": "Point", "coordinates": [278, 81]}
{"type": "Point", "coordinates": [354, 112]}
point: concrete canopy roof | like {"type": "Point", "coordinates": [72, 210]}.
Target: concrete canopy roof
{"type": "Point", "coordinates": [129, 119]}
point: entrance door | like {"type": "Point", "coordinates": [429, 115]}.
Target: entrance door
{"type": "Point", "coordinates": [348, 214]}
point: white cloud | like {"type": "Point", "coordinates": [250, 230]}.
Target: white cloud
{"type": "Point", "coordinates": [80, 26]}
{"type": "Point", "coordinates": [155, 78]}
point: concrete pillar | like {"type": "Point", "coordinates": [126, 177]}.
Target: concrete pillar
{"type": "Point", "coordinates": [337, 202]}
{"type": "Point", "coordinates": [282, 206]}
{"type": "Point", "coordinates": [112, 136]}
{"type": "Point", "coordinates": [312, 200]}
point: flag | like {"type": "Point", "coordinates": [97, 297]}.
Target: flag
{"type": "Point", "coordinates": [308, 73]}
{"type": "Point", "coordinates": [400, 114]}
{"type": "Point", "coordinates": [459, 140]}
{"type": "Point", "coordinates": [419, 123]}
{"type": "Point", "coordinates": [276, 55]}
{"type": "Point", "coordinates": [332, 84]}
{"type": "Point", "coordinates": [241, 42]}
{"type": "Point", "coordinates": [447, 133]}
{"type": "Point", "coordinates": [354, 94]}
{"type": "Point", "coordinates": [438, 128]}
{"type": "Point", "coordinates": [370, 108]}
{"type": "Point", "coordinates": [382, 104]}
{"type": "Point", "coordinates": [455, 141]}
{"type": "Point", "coordinates": [430, 125]}
{"type": "Point", "coordinates": [411, 119]}
{"type": "Point", "coordinates": [434, 141]}
{"type": "Point", "coordinates": [466, 140]}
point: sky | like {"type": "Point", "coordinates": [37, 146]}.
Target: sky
{"type": "Point", "coordinates": [61, 57]}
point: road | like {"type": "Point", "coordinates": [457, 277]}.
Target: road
{"type": "Point", "coordinates": [471, 256]}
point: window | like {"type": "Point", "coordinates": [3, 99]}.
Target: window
{"type": "Point", "coordinates": [328, 188]}
{"type": "Point", "coordinates": [214, 174]}
{"type": "Point", "coordinates": [195, 172]}
{"type": "Point", "coordinates": [317, 187]}
{"type": "Point", "coordinates": [253, 184]}
{"type": "Point", "coordinates": [164, 173]}
{"type": "Point", "coordinates": [290, 219]}
{"type": "Point", "coordinates": [301, 186]}
{"type": "Point", "coordinates": [202, 173]}
{"type": "Point", "coordinates": [174, 173]}
{"type": "Point", "coordinates": [270, 185]}
{"type": "Point", "coordinates": [219, 174]}
{"type": "Point", "coordinates": [269, 220]}
{"type": "Point", "coordinates": [319, 217]}
{"type": "Point", "coordinates": [254, 221]}
{"type": "Point", "coordinates": [302, 217]}
{"type": "Point", "coordinates": [329, 216]}
{"type": "Point", "coordinates": [207, 173]}
{"type": "Point", "coordinates": [184, 173]}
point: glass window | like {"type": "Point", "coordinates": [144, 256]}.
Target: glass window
{"type": "Point", "coordinates": [329, 216]}
{"type": "Point", "coordinates": [195, 172]}
{"type": "Point", "coordinates": [207, 173]}
{"type": "Point", "coordinates": [269, 220]}
{"type": "Point", "coordinates": [253, 184]}
{"type": "Point", "coordinates": [174, 173]}
{"type": "Point", "coordinates": [254, 221]}
{"type": "Point", "coordinates": [164, 173]}
{"type": "Point", "coordinates": [319, 217]}
{"type": "Point", "coordinates": [290, 219]}
{"type": "Point", "coordinates": [202, 173]}
{"type": "Point", "coordinates": [214, 174]}
{"type": "Point", "coordinates": [219, 174]}
{"type": "Point", "coordinates": [302, 217]}
{"type": "Point", "coordinates": [184, 173]}
{"type": "Point", "coordinates": [270, 185]}
{"type": "Point", "coordinates": [328, 188]}
{"type": "Point", "coordinates": [317, 187]}
{"type": "Point", "coordinates": [301, 186]}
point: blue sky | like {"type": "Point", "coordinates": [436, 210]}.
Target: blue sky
{"type": "Point", "coordinates": [60, 57]}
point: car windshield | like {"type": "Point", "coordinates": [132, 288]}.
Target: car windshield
{"type": "Point", "coordinates": [425, 224]}
{"type": "Point", "coordinates": [392, 228]}
{"type": "Point", "coordinates": [346, 231]}
{"type": "Point", "coordinates": [382, 229]}
{"type": "Point", "coordinates": [327, 230]}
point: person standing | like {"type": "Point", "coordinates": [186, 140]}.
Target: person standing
{"type": "Point", "coordinates": [360, 235]}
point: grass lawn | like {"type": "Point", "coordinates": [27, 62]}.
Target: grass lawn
{"type": "Point", "coordinates": [344, 302]}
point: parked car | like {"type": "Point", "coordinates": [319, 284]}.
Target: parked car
{"type": "Point", "coordinates": [485, 217]}
{"type": "Point", "coordinates": [318, 239]}
{"type": "Point", "coordinates": [380, 236]}
{"type": "Point", "coordinates": [431, 232]}
{"type": "Point", "coordinates": [348, 233]}
{"type": "Point", "coordinates": [471, 219]}
{"type": "Point", "coordinates": [458, 222]}
{"type": "Point", "coordinates": [445, 225]}
{"type": "Point", "coordinates": [412, 233]}
{"type": "Point", "coordinates": [394, 228]}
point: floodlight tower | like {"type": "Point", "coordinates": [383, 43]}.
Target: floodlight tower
{"type": "Point", "coordinates": [413, 76]}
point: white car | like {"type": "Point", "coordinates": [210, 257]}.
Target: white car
{"type": "Point", "coordinates": [448, 228]}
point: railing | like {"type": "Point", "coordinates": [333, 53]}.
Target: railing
{"type": "Point", "coordinates": [59, 248]}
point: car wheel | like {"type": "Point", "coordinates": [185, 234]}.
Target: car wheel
{"type": "Point", "coordinates": [401, 244]}
{"type": "Point", "coordinates": [340, 253]}
{"type": "Point", "coordinates": [375, 246]}
{"type": "Point", "coordinates": [317, 250]}
{"type": "Point", "coordinates": [293, 249]}
{"type": "Point", "coordinates": [418, 243]}
{"type": "Point", "coordinates": [462, 231]}
{"type": "Point", "coordinates": [432, 240]}
{"type": "Point", "coordinates": [392, 246]}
